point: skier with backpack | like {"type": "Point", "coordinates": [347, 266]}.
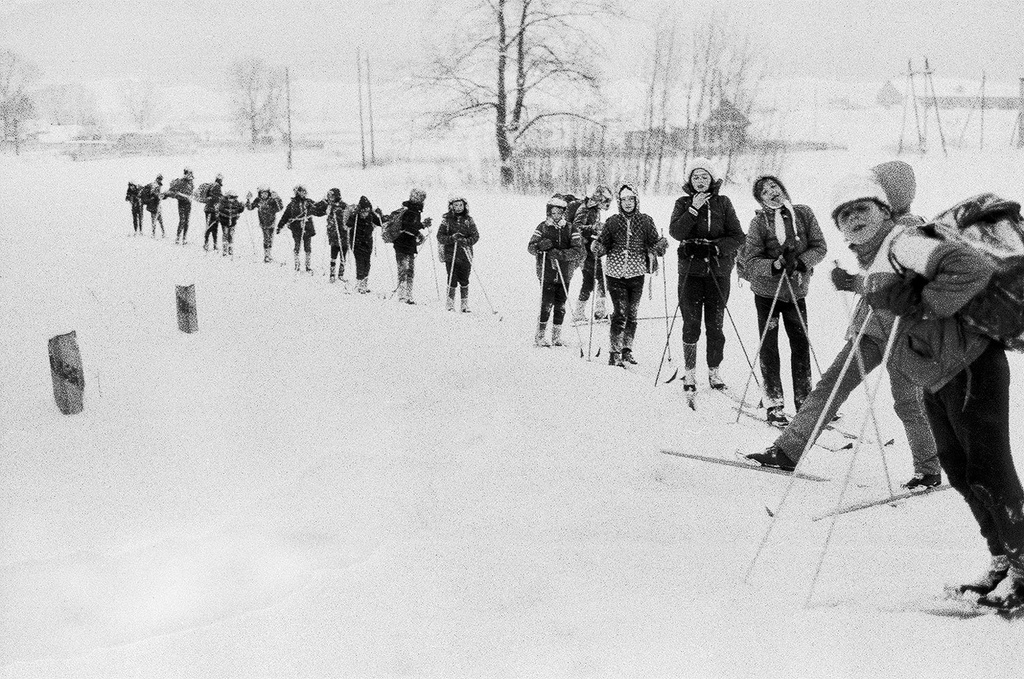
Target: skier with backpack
{"type": "Point", "coordinates": [267, 204]}
{"type": "Point", "coordinates": [338, 235]}
{"type": "Point", "coordinates": [360, 224]}
{"type": "Point", "coordinates": [228, 210]}
{"type": "Point", "coordinates": [892, 186]}
{"type": "Point", "coordinates": [134, 197]}
{"type": "Point", "coordinates": [456, 237]}
{"type": "Point", "coordinates": [407, 228]}
{"type": "Point", "coordinates": [558, 248]}
{"type": "Point", "coordinates": [181, 190]}
{"type": "Point", "coordinates": [298, 217]}
{"type": "Point", "coordinates": [782, 247]}
{"type": "Point", "coordinates": [151, 195]}
{"type": "Point", "coordinates": [628, 239]}
{"type": "Point", "coordinates": [213, 193]}
{"type": "Point", "coordinates": [585, 215]}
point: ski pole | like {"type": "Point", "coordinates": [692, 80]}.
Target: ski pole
{"type": "Point", "coordinates": [664, 285]}
{"type": "Point", "coordinates": [736, 330]}
{"type": "Point", "coordinates": [593, 307]}
{"type": "Point", "coordinates": [480, 281]}
{"type": "Point", "coordinates": [760, 344]}
{"type": "Point", "coordinates": [252, 242]}
{"type": "Point", "coordinates": [565, 288]}
{"type": "Point", "coordinates": [451, 267]}
{"type": "Point", "coordinates": [849, 473]}
{"type": "Point", "coordinates": [803, 321]}
{"type": "Point", "coordinates": [668, 331]}
{"type": "Point", "coordinates": [433, 263]}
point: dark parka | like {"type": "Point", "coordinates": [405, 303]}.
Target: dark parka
{"type": "Point", "coordinates": [336, 223]}
{"type": "Point", "coordinates": [213, 197]}
{"type": "Point", "coordinates": [228, 209]}
{"type": "Point", "coordinates": [461, 225]}
{"type": "Point", "coordinates": [266, 209]}
{"type": "Point", "coordinates": [409, 228]}
{"type": "Point", "coordinates": [362, 227]}
{"type": "Point", "coordinates": [298, 216]}
{"type": "Point", "coordinates": [762, 247]}
{"type": "Point", "coordinates": [564, 256]}
{"type": "Point", "coordinates": [715, 221]}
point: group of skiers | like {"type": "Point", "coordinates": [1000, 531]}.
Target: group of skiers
{"type": "Point", "coordinates": [349, 228]}
{"type": "Point", "coordinates": [949, 380]}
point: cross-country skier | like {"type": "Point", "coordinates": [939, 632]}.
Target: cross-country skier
{"type": "Point", "coordinates": [778, 257]}
{"type": "Point", "coordinates": [558, 249]}
{"type": "Point", "coordinates": [298, 217]}
{"type": "Point", "coordinates": [629, 239]}
{"type": "Point", "coordinates": [410, 237]}
{"type": "Point", "coordinates": [134, 198]}
{"type": "Point", "coordinates": [891, 186]}
{"type": "Point", "coordinates": [338, 235]}
{"type": "Point", "coordinates": [361, 223]}
{"type": "Point", "coordinates": [267, 204]}
{"type": "Point", "coordinates": [151, 196]}
{"type": "Point", "coordinates": [228, 210]}
{"type": "Point", "coordinates": [588, 220]}
{"type": "Point", "coordinates": [456, 237]}
{"type": "Point", "coordinates": [213, 197]}
{"type": "Point", "coordinates": [710, 235]}
{"type": "Point", "coordinates": [181, 190]}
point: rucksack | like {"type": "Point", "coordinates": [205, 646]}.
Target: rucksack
{"type": "Point", "coordinates": [992, 226]}
{"type": "Point", "coordinates": [571, 210]}
{"type": "Point", "coordinates": [392, 225]}
{"type": "Point", "coordinates": [146, 193]}
{"type": "Point", "coordinates": [202, 194]}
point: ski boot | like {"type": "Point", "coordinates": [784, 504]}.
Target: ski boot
{"type": "Point", "coordinates": [773, 457]}
{"type": "Point", "coordinates": [923, 482]}
{"type": "Point", "coordinates": [775, 417]}
{"type": "Point", "coordinates": [987, 581]}
{"type": "Point", "coordinates": [627, 356]}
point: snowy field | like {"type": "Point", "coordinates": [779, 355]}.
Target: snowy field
{"type": "Point", "coordinates": [321, 485]}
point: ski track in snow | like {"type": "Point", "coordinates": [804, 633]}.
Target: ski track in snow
{"type": "Point", "coordinates": [321, 484]}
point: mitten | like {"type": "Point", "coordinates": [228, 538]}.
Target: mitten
{"type": "Point", "coordinates": [427, 222]}
{"type": "Point", "coordinates": [545, 244]}
{"type": "Point", "coordinates": [902, 297]}
{"type": "Point", "coordinates": [844, 280]}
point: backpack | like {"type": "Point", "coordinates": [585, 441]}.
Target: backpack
{"type": "Point", "coordinates": [146, 193]}
{"type": "Point", "coordinates": [992, 226]}
{"type": "Point", "coordinates": [571, 210]}
{"type": "Point", "coordinates": [133, 191]}
{"type": "Point", "coordinates": [202, 194]}
{"type": "Point", "coordinates": [392, 225]}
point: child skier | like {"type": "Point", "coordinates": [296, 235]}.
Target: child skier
{"type": "Point", "coordinates": [558, 248]}
{"type": "Point", "coordinates": [134, 198]}
{"type": "Point", "coordinates": [338, 235]}
{"type": "Point", "coordinates": [361, 224]}
{"type": "Point", "coordinates": [267, 204]}
{"type": "Point", "coordinates": [410, 237]}
{"type": "Point", "coordinates": [456, 237]}
{"type": "Point", "coordinates": [298, 217]}
{"type": "Point", "coordinates": [228, 209]}
{"type": "Point", "coordinates": [151, 196]}
{"type": "Point", "coordinates": [181, 190]}
{"type": "Point", "coordinates": [588, 220]}
{"type": "Point", "coordinates": [212, 198]}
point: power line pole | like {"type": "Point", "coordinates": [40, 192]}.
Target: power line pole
{"type": "Point", "coordinates": [362, 133]}
{"type": "Point", "coordinates": [369, 108]}
{"type": "Point", "coordinates": [288, 105]}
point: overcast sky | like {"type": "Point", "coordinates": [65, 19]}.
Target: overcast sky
{"type": "Point", "coordinates": [193, 41]}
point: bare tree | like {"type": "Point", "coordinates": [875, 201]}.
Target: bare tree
{"type": "Point", "coordinates": [140, 102]}
{"type": "Point", "coordinates": [256, 97]}
{"type": "Point", "coordinates": [16, 106]}
{"type": "Point", "coordinates": [522, 61]}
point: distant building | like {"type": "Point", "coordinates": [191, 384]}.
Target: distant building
{"type": "Point", "coordinates": [724, 128]}
{"type": "Point", "coordinates": [889, 96]}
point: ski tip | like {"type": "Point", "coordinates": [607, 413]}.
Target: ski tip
{"type": "Point", "coordinates": [674, 376]}
{"type": "Point", "coordinates": [598, 352]}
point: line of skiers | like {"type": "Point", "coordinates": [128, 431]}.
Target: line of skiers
{"type": "Point", "coordinates": [349, 228]}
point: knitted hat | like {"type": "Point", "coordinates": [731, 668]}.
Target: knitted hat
{"type": "Point", "coordinates": [219, 179]}
{"type": "Point", "coordinates": [699, 163]}
{"type": "Point", "coordinates": [159, 178]}
{"type": "Point", "coordinates": [897, 180]}
{"type": "Point", "coordinates": [364, 203]}
{"type": "Point", "coordinates": [854, 187]}
{"type": "Point", "coordinates": [300, 187]}
{"type": "Point", "coordinates": [188, 171]}
{"type": "Point", "coordinates": [417, 196]}
{"type": "Point", "coordinates": [231, 192]}
{"type": "Point", "coordinates": [556, 201]}
{"type": "Point", "coordinates": [261, 188]}
{"type": "Point", "coordinates": [456, 196]}
{"type": "Point", "coordinates": [759, 184]}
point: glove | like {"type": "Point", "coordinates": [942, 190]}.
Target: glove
{"type": "Point", "coordinates": [248, 196]}
{"type": "Point", "coordinates": [427, 222]}
{"type": "Point", "coordinates": [662, 244]}
{"type": "Point", "coordinates": [790, 258]}
{"type": "Point", "coordinates": [697, 250]}
{"type": "Point", "coordinates": [778, 265]}
{"type": "Point", "coordinates": [902, 297]}
{"type": "Point", "coordinates": [544, 244]}
{"type": "Point", "coordinates": [844, 280]}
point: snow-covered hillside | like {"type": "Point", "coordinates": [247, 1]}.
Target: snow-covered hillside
{"type": "Point", "coordinates": [320, 485]}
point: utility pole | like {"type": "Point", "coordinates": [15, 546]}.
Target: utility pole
{"type": "Point", "coordinates": [362, 133]}
{"type": "Point", "coordinates": [369, 108]}
{"type": "Point", "coordinates": [288, 106]}
{"type": "Point", "coordinates": [930, 82]}
{"type": "Point", "coordinates": [982, 143]}
{"type": "Point", "coordinates": [1020, 117]}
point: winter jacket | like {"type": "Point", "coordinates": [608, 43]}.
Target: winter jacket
{"type": "Point", "coordinates": [132, 195]}
{"type": "Point", "coordinates": [181, 189]}
{"type": "Point", "coordinates": [266, 210]}
{"type": "Point", "coordinates": [588, 221]}
{"type": "Point", "coordinates": [213, 197]}
{"type": "Point", "coordinates": [557, 264]}
{"type": "Point", "coordinates": [464, 227]}
{"type": "Point", "coordinates": [629, 241]}
{"type": "Point", "coordinates": [362, 228]}
{"type": "Point", "coordinates": [298, 216]}
{"type": "Point", "coordinates": [150, 195]}
{"type": "Point", "coordinates": [409, 229]}
{"type": "Point", "coordinates": [228, 209]}
{"type": "Point", "coordinates": [336, 224]}
{"type": "Point", "coordinates": [715, 221]}
{"type": "Point", "coordinates": [762, 248]}
{"type": "Point", "coordinates": [934, 346]}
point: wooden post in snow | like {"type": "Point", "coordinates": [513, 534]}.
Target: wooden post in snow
{"type": "Point", "coordinates": [369, 110]}
{"type": "Point", "coordinates": [288, 105]}
{"type": "Point", "coordinates": [362, 133]}
{"type": "Point", "coordinates": [66, 371]}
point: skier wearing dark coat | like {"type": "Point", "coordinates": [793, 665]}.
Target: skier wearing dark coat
{"type": "Point", "coordinates": [298, 217]}
{"type": "Point", "coordinates": [267, 204]}
{"type": "Point", "coordinates": [134, 198]}
{"type": "Point", "coordinates": [213, 197]}
{"type": "Point", "coordinates": [361, 224]}
{"type": "Point", "coordinates": [782, 247]}
{"type": "Point", "coordinates": [710, 235]}
{"type": "Point", "coordinates": [588, 220]}
{"type": "Point", "coordinates": [181, 190]}
{"type": "Point", "coordinates": [228, 210]}
{"type": "Point", "coordinates": [629, 239]}
{"type": "Point", "coordinates": [151, 196]}
{"type": "Point", "coordinates": [338, 235]}
{"type": "Point", "coordinates": [456, 237]}
{"type": "Point", "coordinates": [410, 237]}
{"type": "Point", "coordinates": [558, 249]}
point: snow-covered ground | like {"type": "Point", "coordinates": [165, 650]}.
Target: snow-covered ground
{"type": "Point", "coordinates": [319, 484]}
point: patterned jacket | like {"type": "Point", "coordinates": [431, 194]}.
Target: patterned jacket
{"type": "Point", "coordinates": [461, 225]}
{"type": "Point", "coordinates": [628, 241]}
{"type": "Point", "coordinates": [556, 266]}
{"type": "Point", "coordinates": [228, 209]}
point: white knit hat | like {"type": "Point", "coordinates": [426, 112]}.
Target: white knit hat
{"type": "Point", "coordinates": [856, 187]}
{"type": "Point", "coordinates": [700, 163]}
